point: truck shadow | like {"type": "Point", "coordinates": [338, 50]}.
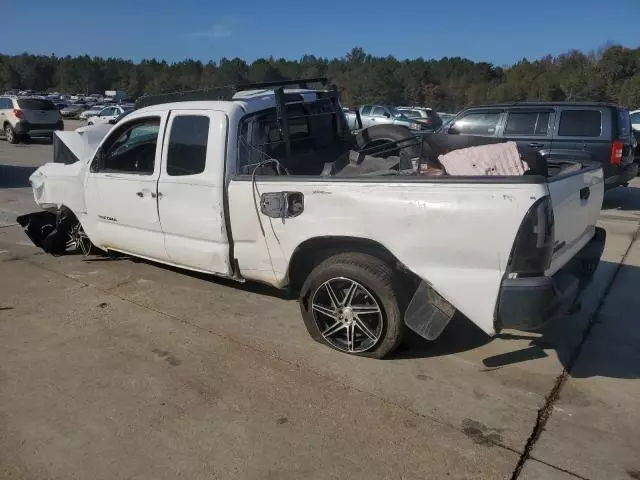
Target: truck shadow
{"type": "Point", "coordinates": [252, 287]}
{"type": "Point", "coordinates": [15, 176]}
{"type": "Point", "coordinates": [609, 348]}
{"type": "Point", "coordinates": [622, 198]}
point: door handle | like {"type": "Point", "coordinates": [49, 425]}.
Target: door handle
{"type": "Point", "coordinates": [585, 193]}
{"type": "Point", "coordinates": [140, 194]}
{"type": "Point", "coordinates": [536, 145]}
{"type": "Point", "coordinates": [585, 147]}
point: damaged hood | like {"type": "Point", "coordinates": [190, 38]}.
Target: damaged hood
{"type": "Point", "coordinates": [79, 145]}
{"type": "Point", "coordinates": [61, 182]}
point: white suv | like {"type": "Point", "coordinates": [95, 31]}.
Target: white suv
{"type": "Point", "coordinates": [24, 117]}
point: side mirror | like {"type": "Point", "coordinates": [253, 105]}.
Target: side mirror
{"type": "Point", "coordinates": [387, 114]}
{"type": "Point", "coordinates": [96, 163]}
{"type": "Point", "coordinates": [452, 130]}
{"type": "Point", "coordinates": [113, 121]}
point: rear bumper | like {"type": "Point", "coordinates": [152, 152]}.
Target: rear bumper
{"type": "Point", "coordinates": [528, 303]}
{"type": "Point", "coordinates": [26, 128]}
{"type": "Point", "coordinates": [625, 174]}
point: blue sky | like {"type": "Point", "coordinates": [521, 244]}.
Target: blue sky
{"type": "Point", "coordinates": [497, 31]}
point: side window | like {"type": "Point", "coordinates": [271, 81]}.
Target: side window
{"type": "Point", "coordinates": [379, 111]}
{"type": "Point", "coordinates": [580, 123]}
{"type": "Point", "coordinates": [477, 123]}
{"type": "Point", "coordinates": [130, 149]}
{"type": "Point", "coordinates": [188, 145]}
{"type": "Point", "coordinates": [366, 110]}
{"type": "Point", "coordinates": [527, 123]}
{"type": "Point", "coordinates": [635, 118]}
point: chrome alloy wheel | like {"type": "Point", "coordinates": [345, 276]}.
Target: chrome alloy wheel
{"type": "Point", "coordinates": [347, 315]}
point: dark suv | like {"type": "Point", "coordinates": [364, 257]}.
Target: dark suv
{"type": "Point", "coordinates": [586, 131]}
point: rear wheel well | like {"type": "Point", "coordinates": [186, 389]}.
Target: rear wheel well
{"type": "Point", "coordinates": [312, 252]}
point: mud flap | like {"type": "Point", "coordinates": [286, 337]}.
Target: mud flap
{"type": "Point", "coordinates": [46, 231]}
{"type": "Point", "coordinates": [428, 313]}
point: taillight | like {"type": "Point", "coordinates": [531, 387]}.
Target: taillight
{"type": "Point", "coordinates": [616, 152]}
{"type": "Point", "coordinates": [18, 113]}
{"type": "Point", "coordinates": [428, 121]}
{"type": "Point", "coordinates": [533, 248]}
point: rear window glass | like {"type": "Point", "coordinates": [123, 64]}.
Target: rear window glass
{"type": "Point", "coordinates": [36, 104]}
{"type": "Point", "coordinates": [411, 113]}
{"type": "Point", "coordinates": [580, 123]}
{"type": "Point", "coordinates": [624, 123]}
{"type": "Point", "coordinates": [188, 145]}
{"type": "Point", "coordinates": [527, 123]}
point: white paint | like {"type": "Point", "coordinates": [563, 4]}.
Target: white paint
{"type": "Point", "coordinates": [191, 206]}
{"type": "Point", "coordinates": [456, 236]}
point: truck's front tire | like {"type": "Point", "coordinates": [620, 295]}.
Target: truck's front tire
{"type": "Point", "coordinates": [349, 303]}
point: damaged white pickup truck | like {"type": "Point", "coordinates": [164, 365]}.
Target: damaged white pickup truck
{"type": "Point", "coordinates": [372, 230]}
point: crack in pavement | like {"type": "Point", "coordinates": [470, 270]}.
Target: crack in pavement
{"type": "Point", "coordinates": [545, 412]}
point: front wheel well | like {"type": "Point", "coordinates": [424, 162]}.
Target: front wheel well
{"type": "Point", "coordinates": [314, 251]}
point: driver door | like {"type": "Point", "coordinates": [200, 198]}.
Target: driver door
{"type": "Point", "coordinates": [122, 189]}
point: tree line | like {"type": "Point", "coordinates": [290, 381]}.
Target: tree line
{"type": "Point", "coordinates": [449, 84]}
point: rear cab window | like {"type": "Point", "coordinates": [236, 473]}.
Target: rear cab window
{"type": "Point", "coordinates": [187, 153]}
{"type": "Point", "coordinates": [35, 104]}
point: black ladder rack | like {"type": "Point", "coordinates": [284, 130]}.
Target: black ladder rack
{"type": "Point", "coordinates": [281, 100]}
{"type": "Point", "coordinates": [223, 93]}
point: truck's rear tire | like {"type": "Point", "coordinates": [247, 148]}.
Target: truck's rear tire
{"type": "Point", "coordinates": [349, 303]}
{"type": "Point", "coordinates": [381, 134]}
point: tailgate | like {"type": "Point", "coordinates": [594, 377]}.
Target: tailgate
{"type": "Point", "coordinates": [36, 117]}
{"type": "Point", "coordinates": [577, 199]}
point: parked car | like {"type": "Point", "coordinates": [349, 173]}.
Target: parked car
{"type": "Point", "coordinates": [73, 110]}
{"type": "Point", "coordinates": [90, 112]}
{"type": "Point", "coordinates": [426, 116]}
{"type": "Point", "coordinates": [446, 116]}
{"type": "Point", "coordinates": [599, 132]}
{"type": "Point", "coordinates": [24, 117]}
{"type": "Point", "coordinates": [382, 114]}
{"type": "Point", "coordinates": [369, 256]}
{"type": "Point", "coordinates": [108, 113]}
{"type": "Point", "coordinates": [635, 119]}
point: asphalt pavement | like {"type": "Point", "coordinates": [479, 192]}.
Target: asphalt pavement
{"type": "Point", "coordinates": [120, 368]}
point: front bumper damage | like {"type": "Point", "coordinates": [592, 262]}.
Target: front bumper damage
{"type": "Point", "coordinates": [48, 230]}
